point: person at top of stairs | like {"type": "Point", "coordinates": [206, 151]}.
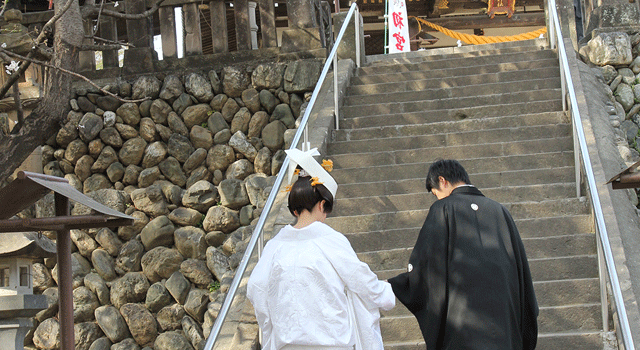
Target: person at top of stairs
{"type": "Point", "coordinates": [468, 281]}
{"type": "Point", "coordinates": [309, 289]}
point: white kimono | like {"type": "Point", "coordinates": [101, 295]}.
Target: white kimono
{"type": "Point", "coordinates": [299, 292]}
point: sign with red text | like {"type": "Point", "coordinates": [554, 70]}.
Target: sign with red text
{"type": "Point", "coordinates": [398, 27]}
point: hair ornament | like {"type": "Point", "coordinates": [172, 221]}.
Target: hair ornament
{"type": "Point", "coordinates": [327, 164]}
{"type": "Point", "coordinates": [315, 181]}
{"type": "Point", "coordinates": [287, 188]}
{"type": "Point", "coordinates": [296, 172]}
{"type": "Point", "coordinates": [310, 167]}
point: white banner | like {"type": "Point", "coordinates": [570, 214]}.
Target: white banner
{"type": "Point", "coordinates": [398, 27]}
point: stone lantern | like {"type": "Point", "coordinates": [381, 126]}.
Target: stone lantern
{"type": "Point", "coordinates": [18, 304]}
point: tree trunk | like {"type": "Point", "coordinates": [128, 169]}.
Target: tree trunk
{"type": "Point", "coordinates": [46, 119]}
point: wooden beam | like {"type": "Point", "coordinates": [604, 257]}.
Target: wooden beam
{"type": "Point", "coordinates": [530, 19]}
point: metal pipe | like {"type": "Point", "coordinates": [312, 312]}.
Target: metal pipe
{"type": "Point", "coordinates": [336, 108]}
{"type": "Point", "coordinates": [65, 285]}
{"type": "Point", "coordinates": [356, 21]}
{"type": "Point", "coordinates": [602, 275]}
{"type": "Point", "coordinates": [625, 329]}
{"type": "Point", "coordinates": [224, 310]}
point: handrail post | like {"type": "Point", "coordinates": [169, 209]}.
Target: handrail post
{"type": "Point", "coordinates": [602, 274]}
{"type": "Point", "coordinates": [356, 22]}
{"type": "Point", "coordinates": [336, 107]}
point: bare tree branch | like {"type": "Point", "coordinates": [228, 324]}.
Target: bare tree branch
{"type": "Point", "coordinates": [89, 47]}
{"type": "Point", "coordinates": [9, 53]}
{"type": "Point", "coordinates": [97, 38]}
{"type": "Point", "coordinates": [156, 5]}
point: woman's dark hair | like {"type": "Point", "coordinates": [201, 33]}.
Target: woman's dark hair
{"type": "Point", "coordinates": [304, 196]}
{"type": "Point", "coordinates": [450, 169]}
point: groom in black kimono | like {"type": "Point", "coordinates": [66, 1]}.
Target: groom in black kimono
{"type": "Point", "coordinates": [468, 281]}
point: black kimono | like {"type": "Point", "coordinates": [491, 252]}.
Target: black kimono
{"type": "Point", "coordinates": [468, 281]}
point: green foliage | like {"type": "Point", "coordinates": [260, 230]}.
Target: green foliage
{"type": "Point", "coordinates": [213, 286]}
{"type": "Point", "coordinates": [204, 125]}
{"type": "Point", "coordinates": [200, 222]}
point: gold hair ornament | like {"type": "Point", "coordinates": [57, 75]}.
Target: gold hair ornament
{"type": "Point", "coordinates": [327, 164]}
{"type": "Point", "coordinates": [315, 181]}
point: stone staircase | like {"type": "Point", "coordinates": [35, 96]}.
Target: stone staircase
{"type": "Point", "coordinates": [498, 110]}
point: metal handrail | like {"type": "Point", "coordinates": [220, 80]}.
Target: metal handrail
{"type": "Point", "coordinates": [257, 235]}
{"type": "Point", "coordinates": [604, 248]}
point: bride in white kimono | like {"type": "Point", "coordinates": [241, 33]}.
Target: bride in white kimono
{"type": "Point", "coordinates": [309, 289]}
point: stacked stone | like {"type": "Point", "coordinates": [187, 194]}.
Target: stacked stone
{"type": "Point", "coordinates": [616, 61]}
{"type": "Point", "coordinates": [193, 165]}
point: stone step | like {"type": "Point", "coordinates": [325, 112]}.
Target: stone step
{"type": "Point", "coordinates": [559, 171]}
{"type": "Point", "coordinates": [548, 269]}
{"type": "Point", "coordinates": [436, 93]}
{"type": "Point", "coordinates": [546, 341]}
{"type": "Point", "coordinates": [550, 225]}
{"type": "Point", "coordinates": [454, 114]}
{"type": "Point", "coordinates": [586, 292]}
{"type": "Point", "coordinates": [570, 340]}
{"type": "Point", "coordinates": [487, 150]}
{"type": "Point", "coordinates": [466, 51]}
{"type": "Point", "coordinates": [475, 138]}
{"type": "Point", "coordinates": [504, 99]}
{"type": "Point", "coordinates": [413, 184]}
{"type": "Point", "coordinates": [543, 268]}
{"type": "Point", "coordinates": [455, 61]}
{"type": "Point", "coordinates": [568, 244]}
{"type": "Point", "coordinates": [405, 237]}
{"type": "Point", "coordinates": [453, 81]}
{"type": "Point", "coordinates": [389, 75]}
{"type": "Point", "coordinates": [448, 126]}
{"type": "Point", "coordinates": [400, 202]}
{"type": "Point", "coordinates": [574, 318]}
{"type": "Point", "coordinates": [512, 194]}
{"type": "Point", "coordinates": [473, 166]}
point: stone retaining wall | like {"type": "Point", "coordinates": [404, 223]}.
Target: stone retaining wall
{"type": "Point", "coordinates": [193, 165]}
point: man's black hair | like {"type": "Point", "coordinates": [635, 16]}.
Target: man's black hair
{"type": "Point", "coordinates": [450, 169]}
{"type": "Point", "coordinates": [304, 196]}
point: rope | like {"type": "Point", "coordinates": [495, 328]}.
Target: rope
{"type": "Point", "coordinates": [481, 39]}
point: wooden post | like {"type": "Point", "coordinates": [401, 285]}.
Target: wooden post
{"type": "Point", "coordinates": [243, 27]}
{"type": "Point", "coordinates": [109, 30]}
{"type": "Point", "coordinates": [168, 32]}
{"type": "Point", "coordinates": [65, 283]}
{"type": "Point", "coordinates": [268, 23]}
{"type": "Point", "coordinates": [219, 33]}
{"type": "Point", "coordinates": [137, 29]}
{"type": "Point", "coordinates": [141, 58]}
{"type": "Point", "coordinates": [87, 59]}
{"type": "Point", "coordinates": [192, 35]}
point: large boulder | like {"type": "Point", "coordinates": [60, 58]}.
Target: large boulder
{"type": "Point", "coordinates": [112, 323]}
{"type": "Point", "coordinates": [130, 257]}
{"type": "Point", "coordinates": [199, 87]}
{"type": "Point", "coordinates": [220, 218]}
{"type": "Point", "coordinates": [141, 323]}
{"type": "Point", "coordinates": [200, 196]}
{"type": "Point", "coordinates": [190, 242]}
{"type": "Point", "coordinates": [158, 232]}
{"type": "Point", "coordinates": [234, 81]}
{"type": "Point", "coordinates": [150, 200]}
{"type": "Point", "coordinates": [233, 194]}
{"type": "Point", "coordinates": [130, 288]}
{"type": "Point", "coordinates": [160, 262]}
